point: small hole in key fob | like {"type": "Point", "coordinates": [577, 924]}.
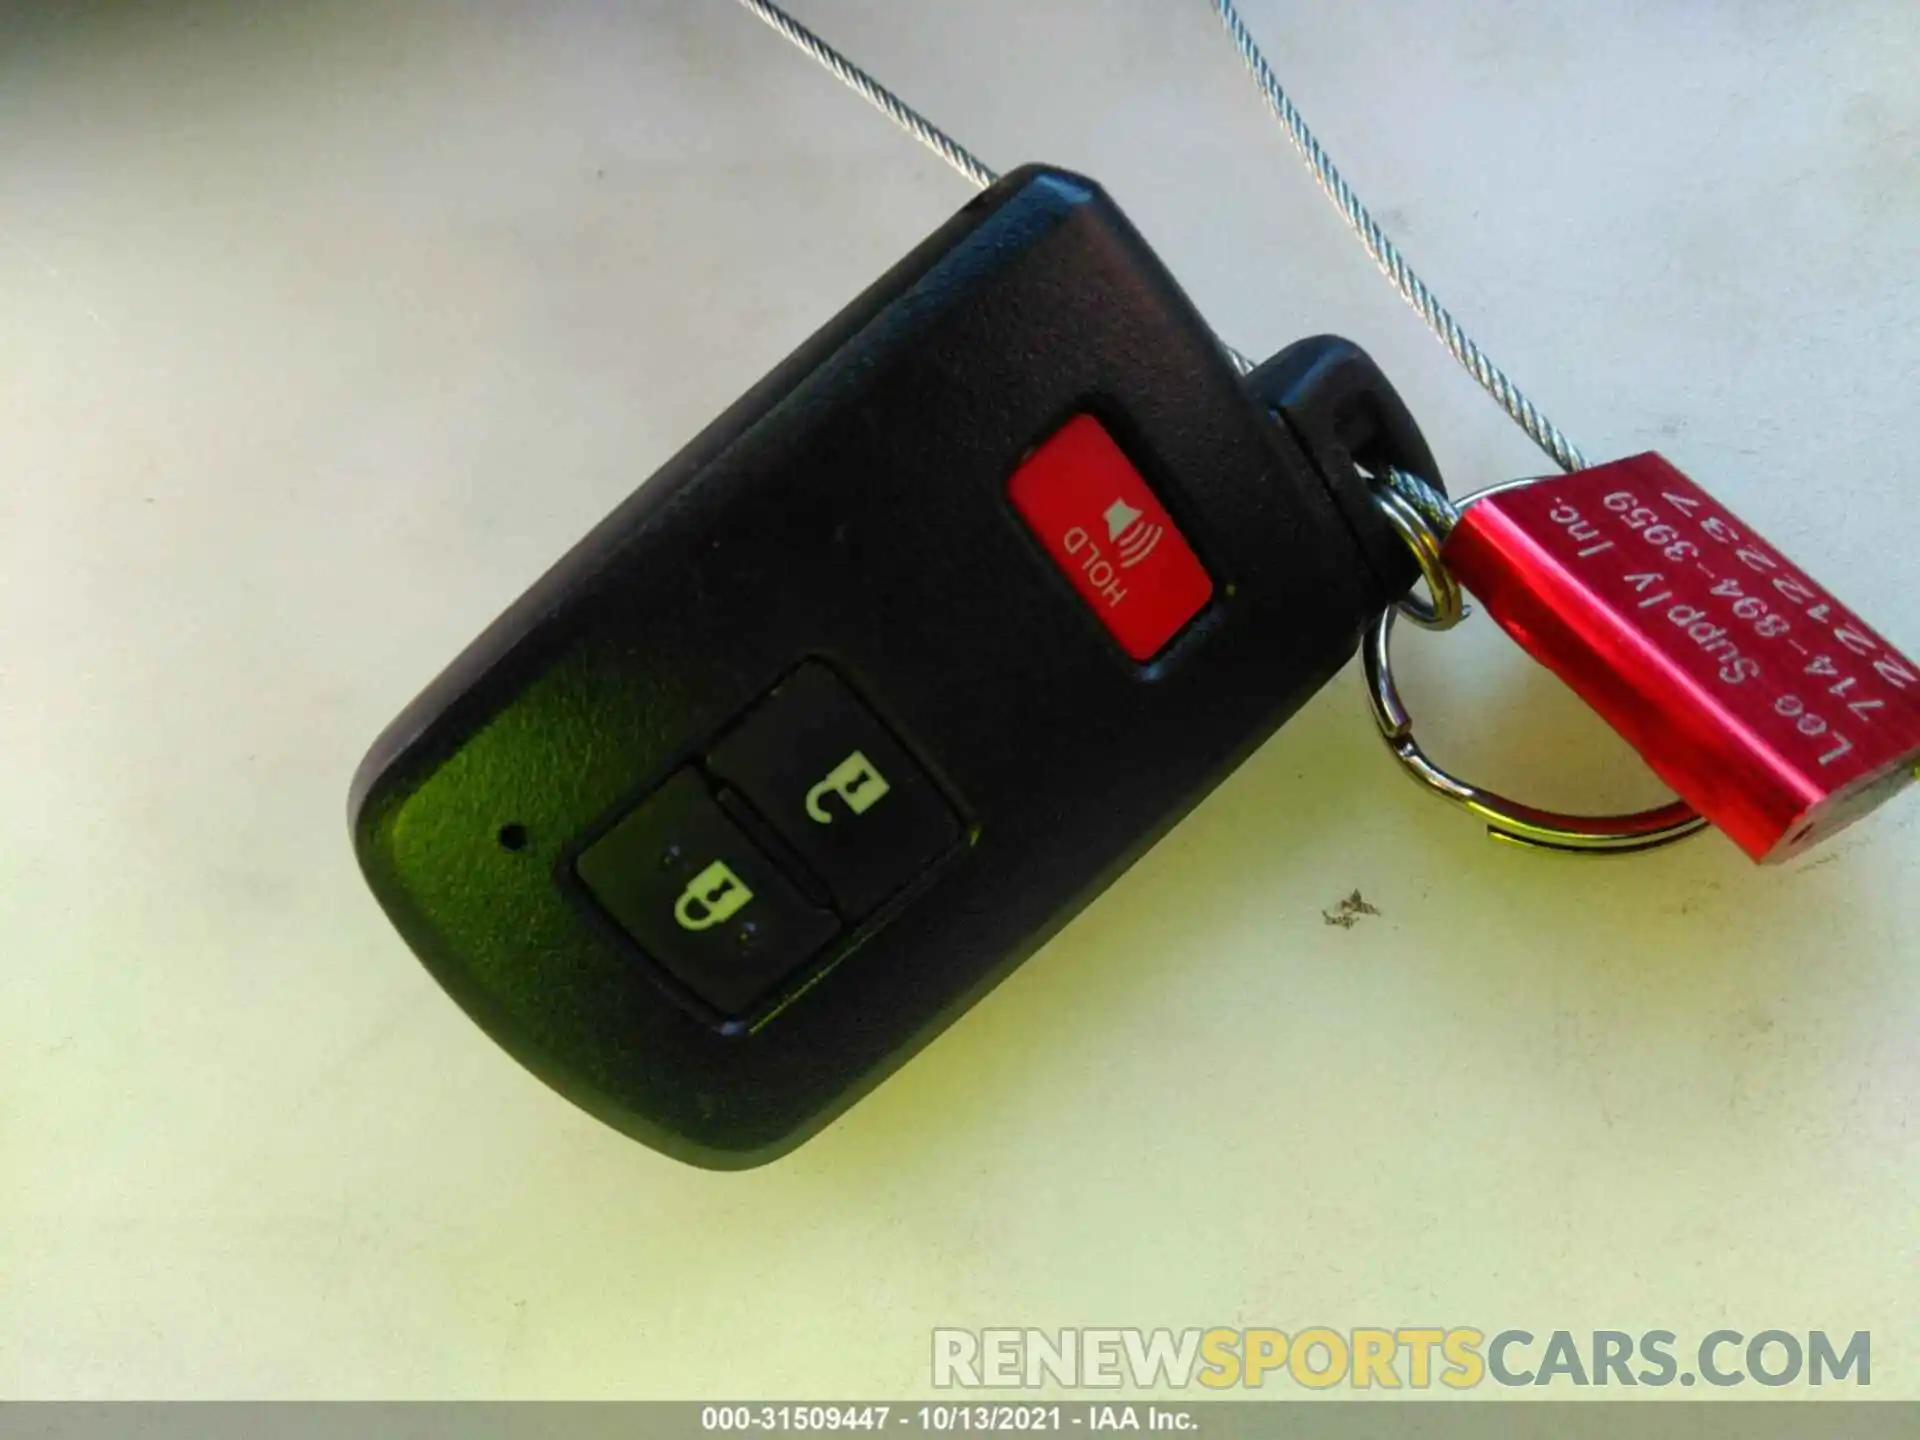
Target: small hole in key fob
{"type": "Point", "coordinates": [882, 679]}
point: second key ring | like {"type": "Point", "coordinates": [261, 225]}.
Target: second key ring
{"type": "Point", "coordinates": [1422, 528]}
{"type": "Point", "coordinates": [1422, 517]}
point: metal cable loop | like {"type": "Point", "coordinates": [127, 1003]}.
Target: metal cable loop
{"type": "Point", "coordinates": [904, 115]}
{"type": "Point", "coordinates": [877, 95]}
{"type": "Point", "coordinates": [1387, 256]}
{"type": "Point", "coordinates": [1439, 511]}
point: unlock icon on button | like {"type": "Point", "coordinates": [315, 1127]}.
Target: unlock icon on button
{"type": "Point", "coordinates": [855, 781]}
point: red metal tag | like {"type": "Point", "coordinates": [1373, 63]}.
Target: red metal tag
{"type": "Point", "coordinates": [1766, 704]}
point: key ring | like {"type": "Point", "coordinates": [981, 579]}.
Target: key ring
{"type": "Point", "coordinates": [1421, 517]}
{"type": "Point", "coordinates": [1447, 607]}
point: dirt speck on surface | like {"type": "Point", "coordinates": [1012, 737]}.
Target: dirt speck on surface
{"type": "Point", "coordinates": [1348, 912]}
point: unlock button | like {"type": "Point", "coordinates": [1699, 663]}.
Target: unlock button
{"type": "Point", "coordinates": [838, 788]}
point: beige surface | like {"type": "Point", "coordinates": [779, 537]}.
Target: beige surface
{"type": "Point", "coordinates": [322, 334]}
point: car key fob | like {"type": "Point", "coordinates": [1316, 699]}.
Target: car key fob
{"type": "Point", "coordinates": [883, 678]}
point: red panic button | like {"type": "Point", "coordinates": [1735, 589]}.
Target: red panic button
{"type": "Point", "coordinates": [1110, 537]}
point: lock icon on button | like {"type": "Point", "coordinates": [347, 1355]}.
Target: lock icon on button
{"type": "Point", "coordinates": [854, 780]}
{"type": "Point", "coordinates": [714, 895]}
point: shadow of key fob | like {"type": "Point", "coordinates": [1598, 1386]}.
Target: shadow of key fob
{"type": "Point", "coordinates": [883, 678]}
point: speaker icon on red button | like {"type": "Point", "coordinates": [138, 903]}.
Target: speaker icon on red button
{"type": "Point", "coordinates": [1135, 535]}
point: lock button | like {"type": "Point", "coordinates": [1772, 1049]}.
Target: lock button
{"type": "Point", "coordinates": [701, 899]}
{"type": "Point", "coordinates": [838, 788]}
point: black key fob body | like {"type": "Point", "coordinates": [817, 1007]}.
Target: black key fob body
{"type": "Point", "coordinates": [882, 679]}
